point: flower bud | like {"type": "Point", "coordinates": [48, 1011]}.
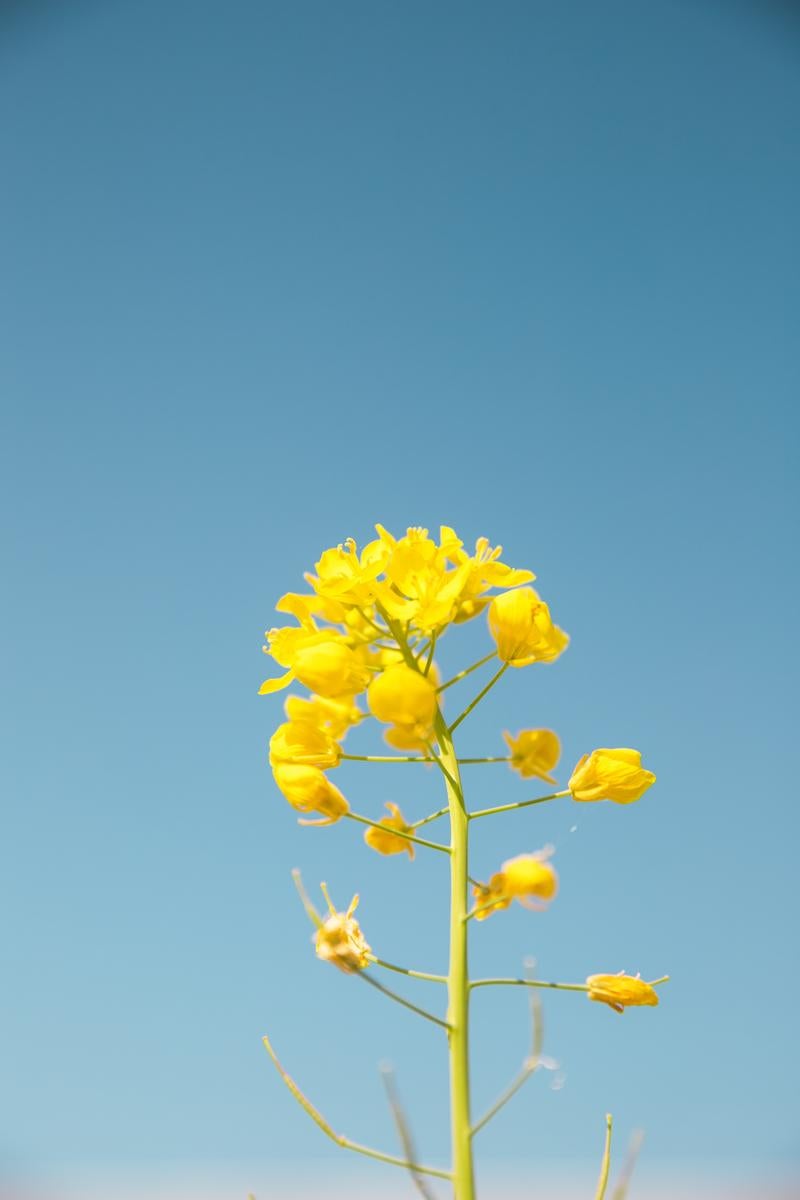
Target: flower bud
{"type": "Point", "coordinates": [610, 775]}
{"type": "Point", "coordinates": [384, 840]}
{"type": "Point", "coordinates": [534, 752]}
{"type": "Point", "coordinates": [303, 743]}
{"type": "Point", "coordinates": [309, 790]}
{"type": "Point", "coordinates": [331, 669]}
{"type": "Point", "coordinates": [621, 991]}
{"type": "Point", "coordinates": [521, 626]}
{"type": "Point", "coordinates": [402, 696]}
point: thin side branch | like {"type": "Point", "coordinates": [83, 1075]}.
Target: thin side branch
{"type": "Point", "coordinates": [635, 1145]}
{"type": "Point", "coordinates": [532, 983]}
{"type": "Point", "coordinates": [404, 1132]}
{"type": "Point", "coordinates": [421, 1012]}
{"type": "Point", "coordinates": [602, 1182]}
{"type": "Point", "coordinates": [410, 837]}
{"type": "Point", "coordinates": [379, 962]}
{"type": "Point", "coordinates": [501, 808]}
{"type": "Point", "coordinates": [497, 675]}
{"type": "Point", "coordinates": [339, 1138]}
{"type": "Point", "coordinates": [531, 1064]}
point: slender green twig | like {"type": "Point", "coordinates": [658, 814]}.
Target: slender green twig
{"type": "Point", "coordinates": [467, 671]}
{"type": "Point", "coordinates": [530, 1065]}
{"type": "Point", "coordinates": [404, 1131]}
{"type": "Point", "coordinates": [602, 1182]}
{"type": "Point", "coordinates": [469, 762]}
{"type": "Point", "coordinates": [379, 962]}
{"type": "Point", "coordinates": [421, 1012]}
{"type": "Point", "coordinates": [497, 675]}
{"type": "Point", "coordinates": [501, 808]}
{"type": "Point", "coordinates": [431, 653]}
{"type": "Point", "coordinates": [532, 983]}
{"type": "Point", "coordinates": [386, 758]}
{"type": "Point", "coordinates": [409, 837]}
{"type": "Point", "coordinates": [339, 1138]}
{"type": "Point", "coordinates": [440, 812]}
{"type": "Point", "coordinates": [447, 774]}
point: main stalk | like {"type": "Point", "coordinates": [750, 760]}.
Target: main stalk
{"type": "Point", "coordinates": [458, 975]}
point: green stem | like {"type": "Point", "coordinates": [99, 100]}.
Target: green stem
{"type": "Point", "coordinates": [537, 983]}
{"type": "Point", "coordinates": [339, 1138]}
{"type": "Point", "coordinates": [431, 653]}
{"type": "Point", "coordinates": [602, 1182]}
{"type": "Point", "coordinates": [497, 675]}
{"type": "Point", "coordinates": [386, 758]}
{"type": "Point", "coordinates": [421, 1012]}
{"type": "Point", "coordinates": [458, 974]}
{"type": "Point", "coordinates": [379, 962]}
{"type": "Point", "coordinates": [440, 812]}
{"type": "Point", "coordinates": [397, 832]}
{"type": "Point", "coordinates": [467, 671]}
{"type": "Point", "coordinates": [501, 808]}
{"type": "Point", "coordinates": [468, 762]}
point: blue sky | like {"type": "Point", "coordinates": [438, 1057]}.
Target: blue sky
{"type": "Point", "coordinates": [272, 273]}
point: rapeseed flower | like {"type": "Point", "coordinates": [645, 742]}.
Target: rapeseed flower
{"type": "Point", "coordinates": [610, 775]}
{"type": "Point", "coordinates": [521, 625]}
{"type": "Point", "coordinates": [384, 840]}
{"type": "Point", "coordinates": [534, 753]}
{"type": "Point", "coordinates": [339, 940]}
{"type": "Point", "coordinates": [303, 742]}
{"type": "Point", "coordinates": [405, 699]}
{"type": "Point", "coordinates": [621, 991]}
{"type": "Point", "coordinates": [528, 878]}
{"type": "Point", "coordinates": [308, 789]}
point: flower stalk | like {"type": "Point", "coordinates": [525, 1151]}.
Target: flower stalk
{"type": "Point", "coordinates": [368, 634]}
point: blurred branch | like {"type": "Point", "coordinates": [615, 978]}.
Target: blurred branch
{"type": "Point", "coordinates": [404, 1131]}
{"type": "Point", "coordinates": [339, 1138]}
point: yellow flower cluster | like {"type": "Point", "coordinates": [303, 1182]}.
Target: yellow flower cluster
{"type": "Point", "coordinates": [367, 628]}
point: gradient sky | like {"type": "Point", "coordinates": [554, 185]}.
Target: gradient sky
{"type": "Point", "coordinates": [273, 272]}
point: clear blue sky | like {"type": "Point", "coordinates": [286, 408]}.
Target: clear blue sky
{"type": "Point", "coordinates": [272, 272]}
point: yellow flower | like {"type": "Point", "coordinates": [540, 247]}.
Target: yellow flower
{"type": "Point", "coordinates": [386, 842]}
{"type": "Point", "coordinates": [331, 669]}
{"type": "Point", "coordinates": [418, 586]}
{"type": "Point", "coordinates": [621, 991]}
{"type": "Point", "coordinates": [521, 626]}
{"type": "Point", "coordinates": [528, 878]}
{"type": "Point", "coordinates": [347, 577]}
{"type": "Point", "coordinates": [610, 775]}
{"type": "Point", "coordinates": [309, 790]}
{"type": "Point", "coordinates": [302, 742]}
{"type": "Point", "coordinates": [339, 940]}
{"type": "Point", "coordinates": [334, 716]}
{"type": "Point", "coordinates": [485, 572]}
{"type": "Point", "coordinates": [534, 752]}
{"type": "Point", "coordinates": [489, 898]}
{"type": "Point", "coordinates": [405, 737]}
{"type": "Point", "coordinates": [403, 697]}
